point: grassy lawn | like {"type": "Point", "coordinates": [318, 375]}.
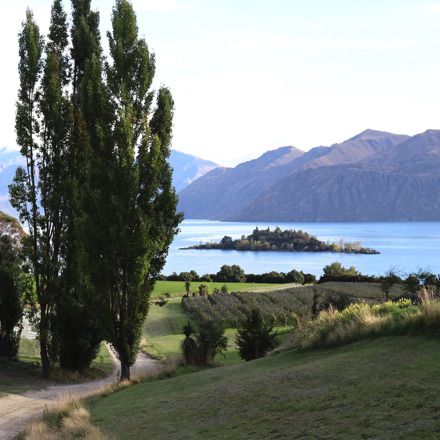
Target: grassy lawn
{"type": "Point", "coordinates": [383, 388]}
{"type": "Point", "coordinates": [177, 288]}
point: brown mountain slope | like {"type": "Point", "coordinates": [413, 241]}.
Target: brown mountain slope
{"type": "Point", "coordinates": [222, 190]}
{"type": "Point", "coordinates": [357, 148]}
{"type": "Point", "coordinates": [400, 184]}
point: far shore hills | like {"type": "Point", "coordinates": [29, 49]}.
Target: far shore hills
{"type": "Point", "coordinates": [374, 176]}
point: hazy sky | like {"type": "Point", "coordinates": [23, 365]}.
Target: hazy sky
{"type": "Point", "coordinates": [248, 76]}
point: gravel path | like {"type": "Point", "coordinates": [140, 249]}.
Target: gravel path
{"type": "Point", "coordinates": [16, 411]}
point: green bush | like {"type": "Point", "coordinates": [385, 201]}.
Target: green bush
{"type": "Point", "coordinates": [255, 337]}
{"type": "Point", "coordinates": [201, 345]}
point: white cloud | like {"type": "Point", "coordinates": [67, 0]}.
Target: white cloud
{"type": "Point", "coordinates": [435, 7]}
{"type": "Point", "coordinates": [157, 5]}
{"type": "Point", "coordinates": [315, 26]}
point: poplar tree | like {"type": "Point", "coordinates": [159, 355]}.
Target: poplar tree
{"type": "Point", "coordinates": [131, 204]}
{"type": "Point", "coordinates": [24, 190]}
{"type": "Point", "coordinates": [78, 317]}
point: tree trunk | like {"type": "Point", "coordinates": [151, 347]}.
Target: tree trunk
{"type": "Point", "coordinates": [125, 367]}
{"type": "Point", "coordinates": [45, 364]}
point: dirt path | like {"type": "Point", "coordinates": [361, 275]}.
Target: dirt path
{"type": "Point", "coordinates": [16, 411]}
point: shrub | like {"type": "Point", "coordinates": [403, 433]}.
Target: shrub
{"type": "Point", "coordinates": [201, 345]}
{"type": "Point", "coordinates": [188, 345]}
{"type": "Point", "coordinates": [358, 321]}
{"type": "Point", "coordinates": [255, 337]}
{"type": "Point", "coordinates": [206, 278]}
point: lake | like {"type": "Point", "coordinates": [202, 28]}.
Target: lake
{"type": "Point", "coordinates": [403, 246]}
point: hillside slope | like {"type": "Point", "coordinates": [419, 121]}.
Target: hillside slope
{"type": "Point", "coordinates": [221, 191]}
{"type": "Point", "coordinates": [400, 183]}
{"type": "Point", "coordinates": [383, 388]}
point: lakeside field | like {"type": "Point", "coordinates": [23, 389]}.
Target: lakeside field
{"type": "Point", "coordinates": [177, 288]}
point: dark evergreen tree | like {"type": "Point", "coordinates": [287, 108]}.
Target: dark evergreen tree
{"type": "Point", "coordinates": [255, 337]}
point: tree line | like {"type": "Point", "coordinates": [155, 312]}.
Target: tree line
{"type": "Point", "coordinates": [235, 274]}
{"type": "Point", "coordinates": [288, 241]}
{"type": "Point", "coordinates": [95, 193]}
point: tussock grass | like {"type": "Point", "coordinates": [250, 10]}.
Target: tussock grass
{"type": "Point", "coordinates": [362, 320]}
{"type": "Point", "coordinates": [69, 420]}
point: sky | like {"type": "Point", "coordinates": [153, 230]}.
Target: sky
{"type": "Point", "coordinates": [249, 76]}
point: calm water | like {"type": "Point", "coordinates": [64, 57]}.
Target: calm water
{"type": "Point", "coordinates": [405, 246]}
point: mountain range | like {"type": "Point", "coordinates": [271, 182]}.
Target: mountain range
{"type": "Point", "coordinates": [374, 176]}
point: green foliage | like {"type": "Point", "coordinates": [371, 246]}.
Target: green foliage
{"type": "Point", "coordinates": [187, 287]}
{"type": "Point", "coordinates": [255, 337]}
{"type": "Point", "coordinates": [11, 308]}
{"type": "Point", "coordinates": [211, 341]}
{"type": "Point", "coordinates": [415, 281]}
{"type": "Point", "coordinates": [295, 277]}
{"type": "Point", "coordinates": [336, 268]}
{"type": "Point", "coordinates": [188, 345]}
{"type": "Point", "coordinates": [388, 281]}
{"type": "Point", "coordinates": [201, 345]}
{"type": "Point", "coordinates": [337, 300]}
{"type": "Point", "coordinates": [232, 274]}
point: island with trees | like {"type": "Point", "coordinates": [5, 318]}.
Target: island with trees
{"type": "Point", "coordinates": [288, 241]}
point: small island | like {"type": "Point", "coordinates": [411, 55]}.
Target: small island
{"type": "Point", "coordinates": [284, 241]}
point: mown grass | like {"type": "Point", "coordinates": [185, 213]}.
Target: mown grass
{"type": "Point", "coordinates": [177, 288]}
{"type": "Point", "coordinates": [382, 388]}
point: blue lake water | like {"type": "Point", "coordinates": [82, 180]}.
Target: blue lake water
{"type": "Point", "coordinates": [404, 246]}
